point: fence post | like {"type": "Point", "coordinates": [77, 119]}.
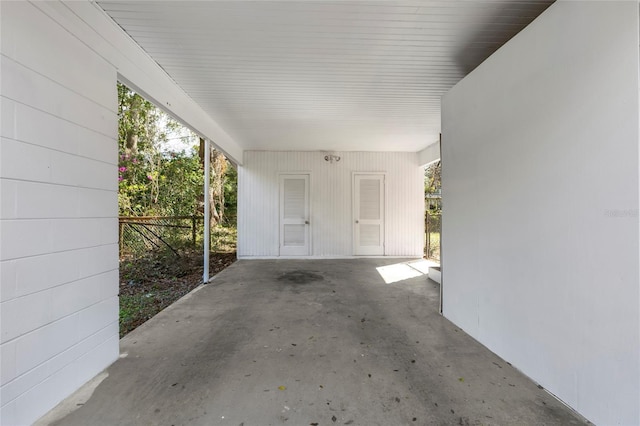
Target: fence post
{"type": "Point", "coordinates": [121, 235]}
{"type": "Point", "coordinates": [193, 230]}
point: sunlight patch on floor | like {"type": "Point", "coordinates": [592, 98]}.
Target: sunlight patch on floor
{"type": "Point", "coordinates": [405, 270]}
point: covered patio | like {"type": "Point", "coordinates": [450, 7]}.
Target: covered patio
{"type": "Point", "coordinates": [330, 110]}
{"type": "Point", "coordinates": [320, 342]}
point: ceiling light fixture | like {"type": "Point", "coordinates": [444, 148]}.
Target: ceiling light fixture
{"type": "Point", "coordinates": [331, 158]}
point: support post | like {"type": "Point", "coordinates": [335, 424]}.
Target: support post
{"type": "Point", "coordinates": [207, 209]}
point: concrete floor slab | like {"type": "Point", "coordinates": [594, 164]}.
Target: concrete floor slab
{"type": "Point", "coordinates": [309, 342]}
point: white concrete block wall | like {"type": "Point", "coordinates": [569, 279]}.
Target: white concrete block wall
{"type": "Point", "coordinates": [58, 213]}
{"type": "Point", "coordinates": [331, 201]}
{"type": "Point", "coordinates": [540, 214]}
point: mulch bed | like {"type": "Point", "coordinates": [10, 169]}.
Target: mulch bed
{"type": "Point", "coordinates": [150, 283]}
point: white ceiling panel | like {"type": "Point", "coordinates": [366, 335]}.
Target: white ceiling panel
{"type": "Point", "coordinates": [305, 75]}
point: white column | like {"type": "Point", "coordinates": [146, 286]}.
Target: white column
{"type": "Point", "coordinates": [207, 209]}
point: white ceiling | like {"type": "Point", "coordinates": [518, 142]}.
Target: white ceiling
{"type": "Point", "coordinates": [319, 75]}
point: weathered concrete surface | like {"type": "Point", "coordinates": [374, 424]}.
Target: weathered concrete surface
{"type": "Point", "coordinates": [311, 342]}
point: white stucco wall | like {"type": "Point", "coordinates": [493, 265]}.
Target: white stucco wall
{"type": "Point", "coordinates": [331, 201]}
{"type": "Point", "coordinates": [540, 220]}
{"type": "Point", "coordinates": [58, 214]}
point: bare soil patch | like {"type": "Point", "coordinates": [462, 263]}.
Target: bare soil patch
{"type": "Point", "coordinates": [151, 282]}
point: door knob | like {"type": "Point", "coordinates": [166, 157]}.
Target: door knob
{"type": "Point", "coordinates": [306, 222]}
{"type": "Point", "coordinates": [357, 221]}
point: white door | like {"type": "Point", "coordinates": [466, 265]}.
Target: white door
{"type": "Point", "coordinates": [294, 215]}
{"type": "Point", "coordinates": [368, 190]}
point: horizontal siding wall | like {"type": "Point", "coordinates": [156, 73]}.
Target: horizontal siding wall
{"type": "Point", "coordinates": [331, 201]}
{"type": "Point", "coordinates": [540, 224]}
{"type": "Point", "coordinates": [58, 214]}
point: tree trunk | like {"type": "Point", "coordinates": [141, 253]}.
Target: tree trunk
{"type": "Point", "coordinates": [132, 134]}
{"type": "Point", "coordinates": [219, 164]}
{"type": "Point", "coordinates": [214, 217]}
{"type": "Point", "coordinates": [132, 142]}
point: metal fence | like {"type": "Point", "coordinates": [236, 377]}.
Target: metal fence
{"type": "Point", "coordinates": [141, 233]}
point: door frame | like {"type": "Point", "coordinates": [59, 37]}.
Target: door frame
{"type": "Point", "coordinates": [354, 241]}
{"type": "Point", "coordinates": [282, 175]}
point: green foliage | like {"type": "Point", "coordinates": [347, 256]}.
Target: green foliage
{"type": "Point", "coordinates": [142, 128]}
{"type": "Point", "coordinates": [432, 178]}
{"type": "Point", "coordinates": [231, 196]}
{"type": "Point", "coordinates": [433, 206]}
{"type": "Point", "coordinates": [180, 184]}
{"type": "Point", "coordinates": [134, 307]}
{"type": "Point", "coordinates": [155, 180]}
{"type": "Point", "coordinates": [223, 239]}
